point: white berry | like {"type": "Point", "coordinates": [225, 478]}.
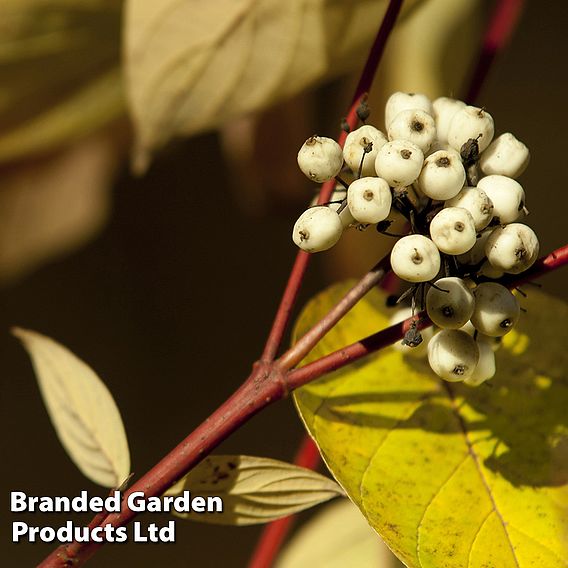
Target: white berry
{"type": "Point", "coordinates": [450, 303]}
{"type": "Point", "coordinates": [477, 202]}
{"type": "Point", "coordinates": [487, 270]}
{"type": "Point", "coordinates": [496, 309]}
{"type": "Point", "coordinates": [398, 102]}
{"type": "Point", "coordinates": [366, 137]}
{"type": "Point", "coordinates": [471, 122]}
{"type": "Point", "coordinates": [442, 175]}
{"type": "Point", "coordinates": [399, 162]}
{"type": "Point", "coordinates": [414, 125]}
{"type": "Point", "coordinates": [512, 248]}
{"type": "Point", "coordinates": [453, 354]}
{"type": "Point", "coordinates": [485, 368]}
{"type": "Point", "coordinates": [415, 258]}
{"type": "Point", "coordinates": [420, 350]}
{"type": "Point", "coordinates": [320, 158]}
{"type": "Point", "coordinates": [318, 228]}
{"type": "Point", "coordinates": [494, 342]}
{"type": "Point", "coordinates": [476, 253]}
{"type": "Point", "coordinates": [507, 196]}
{"type": "Point", "coordinates": [369, 199]}
{"type": "Point", "coordinates": [506, 156]}
{"type": "Point", "coordinates": [445, 109]}
{"type": "Point", "coordinates": [453, 230]}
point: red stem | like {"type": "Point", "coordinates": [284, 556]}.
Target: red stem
{"type": "Point", "coordinates": [377, 49]}
{"type": "Point", "coordinates": [274, 534]}
{"type": "Point", "coordinates": [302, 259]}
{"type": "Point", "coordinates": [305, 344]}
{"type": "Point", "coordinates": [290, 295]}
{"type": "Point", "coordinates": [266, 384]}
{"type": "Point", "coordinates": [501, 26]}
{"type": "Point", "coordinates": [372, 343]}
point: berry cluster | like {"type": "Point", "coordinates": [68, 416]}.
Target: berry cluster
{"type": "Point", "coordinates": [441, 168]}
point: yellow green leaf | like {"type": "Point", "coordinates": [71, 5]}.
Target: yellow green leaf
{"type": "Point", "coordinates": [338, 536]}
{"type": "Point", "coordinates": [254, 490]}
{"type": "Point", "coordinates": [191, 66]}
{"type": "Point", "coordinates": [59, 68]}
{"type": "Point", "coordinates": [81, 409]}
{"type": "Point", "coordinates": [450, 476]}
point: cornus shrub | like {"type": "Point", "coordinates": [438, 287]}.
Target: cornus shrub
{"type": "Point", "coordinates": [381, 369]}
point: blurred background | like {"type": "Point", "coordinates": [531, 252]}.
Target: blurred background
{"type": "Point", "coordinates": [166, 283]}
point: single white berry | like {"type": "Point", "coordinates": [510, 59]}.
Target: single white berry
{"type": "Point", "coordinates": [476, 253]}
{"type": "Point", "coordinates": [477, 202]}
{"type": "Point", "coordinates": [336, 199]}
{"type": "Point", "coordinates": [369, 199]}
{"type": "Point", "coordinates": [414, 125]}
{"type": "Point", "coordinates": [420, 350]}
{"type": "Point", "coordinates": [318, 228]}
{"type": "Point", "coordinates": [496, 309]}
{"type": "Point", "coordinates": [507, 196]}
{"type": "Point", "coordinates": [437, 146]}
{"type": "Point", "coordinates": [453, 354]}
{"type": "Point", "coordinates": [494, 342]}
{"type": "Point", "coordinates": [485, 368]}
{"type": "Point", "coordinates": [398, 102]}
{"type": "Point", "coordinates": [453, 230]}
{"type": "Point", "coordinates": [449, 303]}
{"type": "Point", "coordinates": [506, 156]}
{"type": "Point", "coordinates": [415, 258]}
{"type": "Point", "coordinates": [442, 175]}
{"type": "Point", "coordinates": [444, 110]}
{"type": "Point", "coordinates": [487, 270]}
{"type": "Point", "coordinates": [471, 122]}
{"type": "Point", "coordinates": [512, 248]}
{"type": "Point", "coordinates": [363, 144]}
{"type": "Point", "coordinates": [320, 158]}
{"type": "Point", "coordinates": [399, 162]}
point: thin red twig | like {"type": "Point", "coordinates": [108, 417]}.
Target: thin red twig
{"type": "Point", "coordinates": [274, 534]}
{"type": "Point", "coordinates": [266, 385]}
{"type": "Point", "coordinates": [300, 265]}
{"type": "Point", "coordinates": [372, 343]}
{"type": "Point", "coordinates": [306, 343]}
{"type": "Point", "coordinates": [290, 295]}
{"type": "Point", "coordinates": [502, 24]}
{"type": "Point", "coordinates": [377, 49]}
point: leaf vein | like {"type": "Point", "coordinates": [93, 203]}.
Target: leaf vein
{"type": "Point", "coordinates": [479, 469]}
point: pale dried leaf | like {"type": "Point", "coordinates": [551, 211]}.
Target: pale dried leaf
{"type": "Point", "coordinates": [254, 490]}
{"type": "Point", "coordinates": [337, 537]}
{"type": "Point", "coordinates": [81, 409]}
{"type": "Point", "coordinates": [191, 66]}
{"type": "Point", "coordinates": [59, 72]}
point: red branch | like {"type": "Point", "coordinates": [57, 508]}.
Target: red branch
{"type": "Point", "coordinates": [304, 345]}
{"type": "Point", "coordinates": [290, 295]}
{"type": "Point", "coordinates": [302, 259]}
{"type": "Point", "coordinates": [503, 22]}
{"type": "Point", "coordinates": [266, 384]}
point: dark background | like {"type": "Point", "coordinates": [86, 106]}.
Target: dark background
{"type": "Point", "coordinates": [171, 303]}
